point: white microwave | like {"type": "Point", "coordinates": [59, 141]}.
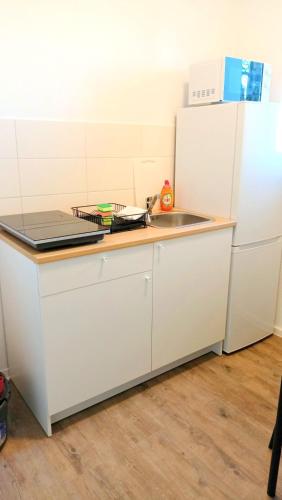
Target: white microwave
{"type": "Point", "coordinates": [229, 79]}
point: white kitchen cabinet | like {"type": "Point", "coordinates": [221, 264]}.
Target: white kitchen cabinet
{"type": "Point", "coordinates": [96, 338]}
{"type": "Point", "coordinates": [83, 329]}
{"type": "Point", "coordinates": [78, 329]}
{"type": "Point", "coordinates": [191, 276]}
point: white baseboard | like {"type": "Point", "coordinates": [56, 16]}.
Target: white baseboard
{"type": "Point", "coordinates": [278, 331]}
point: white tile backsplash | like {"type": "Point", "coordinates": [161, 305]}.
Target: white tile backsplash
{"type": "Point", "coordinates": [157, 141]}
{"type": "Point", "coordinates": [62, 164]}
{"type": "Point", "coordinates": [124, 197]}
{"type": "Point", "coordinates": [10, 206]}
{"type": "Point", "coordinates": [109, 173]}
{"type": "Point", "coordinates": [48, 165]}
{"type": "Point", "coordinates": [47, 139]}
{"type": "Point", "coordinates": [9, 178]}
{"type": "Point", "coordinates": [149, 176]}
{"type": "Point", "coordinates": [94, 161]}
{"type": "Point", "coordinates": [52, 176]}
{"type": "Point", "coordinates": [117, 140]}
{"type": "Point", "coordinates": [53, 202]}
{"type": "Point", "coordinates": [8, 147]}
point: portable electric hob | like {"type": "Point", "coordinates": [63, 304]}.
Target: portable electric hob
{"type": "Point", "coordinates": [43, 230]}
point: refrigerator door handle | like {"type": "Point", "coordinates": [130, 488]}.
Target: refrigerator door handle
{"type": "Point", "coordinates": [241, 248]}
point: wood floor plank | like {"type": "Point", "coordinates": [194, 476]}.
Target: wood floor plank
{"type": "Point", "coordinates": [199, 431]}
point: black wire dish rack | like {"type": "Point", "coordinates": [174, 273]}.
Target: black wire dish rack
{"type": "Point", "coordinates": [119, 222]}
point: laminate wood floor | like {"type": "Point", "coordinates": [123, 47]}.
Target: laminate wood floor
{"type": "Point", "coordinates": [199, 431]}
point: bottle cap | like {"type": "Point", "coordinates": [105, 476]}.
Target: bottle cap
{"type": "Point", "coordinates": [166, 182]}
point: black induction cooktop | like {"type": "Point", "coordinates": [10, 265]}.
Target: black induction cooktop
{"type": "Point", "coordinates": [43, 230]}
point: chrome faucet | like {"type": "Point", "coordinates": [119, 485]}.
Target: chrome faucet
{"type": "Point", "coordinates": [150, 202]}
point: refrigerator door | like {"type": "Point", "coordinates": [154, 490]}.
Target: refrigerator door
{"type": "Point", "coordinates": [257, 184]}
{"type": "Point", "coordinates": [252, 293]}
{"type": "Point", "coordinates": [205, 149]}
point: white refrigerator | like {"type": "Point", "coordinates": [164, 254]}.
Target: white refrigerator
{"type": "Point", "coordinates": [229, 163]}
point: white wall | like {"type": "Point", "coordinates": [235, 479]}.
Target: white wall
{"type": "Point", "coordinates": [259, 37]}
{"type": "Point", "coordinates": [118, 60]}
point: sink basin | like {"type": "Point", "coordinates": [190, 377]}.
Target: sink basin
{"type": "Point", "coordinates": [176, 219]}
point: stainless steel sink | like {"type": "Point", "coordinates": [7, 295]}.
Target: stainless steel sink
{"type": "Point", "coordinates": [176, 219]}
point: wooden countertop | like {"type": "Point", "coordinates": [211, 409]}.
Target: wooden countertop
{"type": "Point", "coordinates": [115, 241]}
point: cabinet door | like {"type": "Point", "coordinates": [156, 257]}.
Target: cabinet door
{"type": "Point", "coordinates": [191, 278]}
{"type": "Point", "coordinates": [97, 338]}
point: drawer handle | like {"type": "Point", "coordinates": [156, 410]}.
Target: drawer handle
{"type": "Point", "coordinates": [105, 259]}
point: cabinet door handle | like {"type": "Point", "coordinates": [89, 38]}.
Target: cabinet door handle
{"type": "Point", "coordinates": [160, 247]}
{"type": "Point", "coordinates": [148, 280]}
{"type": "Point", "coordinates": [105, 259]}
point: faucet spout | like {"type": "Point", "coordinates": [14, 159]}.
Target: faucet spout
{"type": "Point", "coordinates": [151, 201]}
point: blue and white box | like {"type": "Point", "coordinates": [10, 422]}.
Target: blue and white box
{"type": "Point", "coordinates": [229, 79]}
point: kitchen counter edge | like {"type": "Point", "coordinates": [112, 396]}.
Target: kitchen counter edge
{"type": "Point", "coordinates": [115, 241]}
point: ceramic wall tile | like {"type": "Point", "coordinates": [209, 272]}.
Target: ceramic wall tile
{"type": "Point", "coordinates": [109, 173]}
{"type": "Point", "coordinates": [8, 148]}
{"type": "Point", "coordinates": [48, 139]}
{"type": "Point", "coordinates": [118, 140]}
{"type": "Point", "coordinates": [9, 178]}
{"type": "Point", "coordinates": [53, 202]}
{"type": "Point", "coordinates": [157, 141]}
{"type": "Point", "coordinates": [149, 176]}
{"type": "Point", "coordinates": [43, 177]}
{"type": "Point", "coordinates": [123, 197]}
{"type": "Point", "coordinates": [10, 206]}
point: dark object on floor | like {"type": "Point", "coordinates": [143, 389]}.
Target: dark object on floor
{"type": "Point", "coordinates": [275, 446]}
{"type": "Point", "coordinates": [5, 393]}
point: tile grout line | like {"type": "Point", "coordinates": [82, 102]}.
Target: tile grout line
{"type": "Point", "coordinates": [39, 195]}
{"type": "Point", "coordinates": [18, 166]}
{"type": "Point", "coordinates": [85, 161]}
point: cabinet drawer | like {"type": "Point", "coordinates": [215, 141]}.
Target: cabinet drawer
{"type": "Point", "coordinates": [68, 274]}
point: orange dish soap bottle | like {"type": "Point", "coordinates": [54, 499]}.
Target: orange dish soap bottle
{"type": "Point", "coordinates": [166, 200]}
